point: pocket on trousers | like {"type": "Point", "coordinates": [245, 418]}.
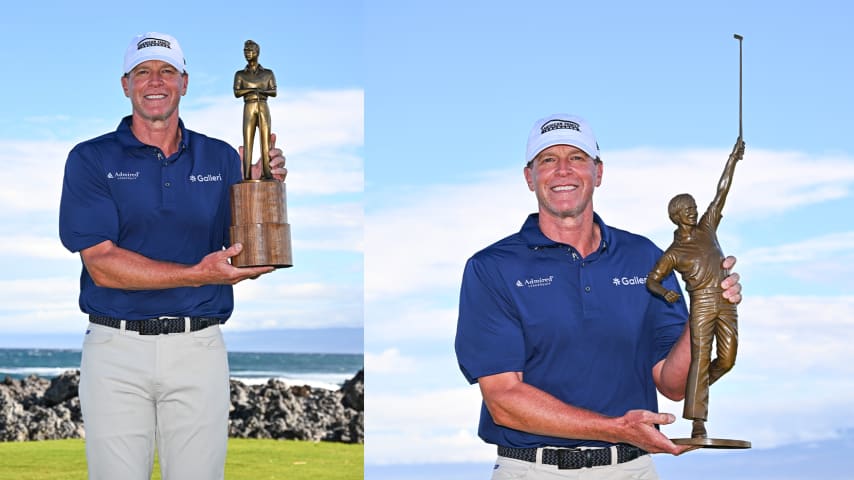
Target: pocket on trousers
{"type": "Point", "coordinates": [509, 469]}
{"type": "Point", "coordinates": [210, 337]}
{"type": "Point", "coordinates": [97, 336]}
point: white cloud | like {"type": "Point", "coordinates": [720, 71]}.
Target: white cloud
{"type": "Point", "coordinates": [40, 305]}
{"type": "Point", "coordinates": [33, 246]}
{"type": "Point", "coordinates": [396, 427]}
{"type": "Point", "coordinates": [411, 320]}
{"type": "Point", "coordinates": [423, 241]}
{"type": "Point", "coordinates": [32, 176]}
{"type": "Point", "coordinates": [639, 183]}
{"type": "Point", "coordinates": [277, 301]}
{"type": "Point", "coordinates": [782, 336]}
{"type": "Point", "coordinates": [388, 361]}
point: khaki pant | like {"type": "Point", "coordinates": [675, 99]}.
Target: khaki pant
{"type": "Point", "coordinates": [170, 390]}
{"type": "Point", "coordinates": [641, 468]}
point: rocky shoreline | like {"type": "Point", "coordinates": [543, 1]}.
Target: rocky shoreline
{"type": "Point", "coordinates": [36, 408]}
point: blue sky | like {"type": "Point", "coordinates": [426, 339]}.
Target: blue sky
{"type": "Point", "coordinates": [452, 90]}
{"type": "Point", "coordinates": [62, 67]}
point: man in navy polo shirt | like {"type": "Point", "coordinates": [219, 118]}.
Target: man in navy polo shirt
{"type": "Point", "coordinates": [557, 327]}
{"type": "Point", "coordinates": [147, 207]}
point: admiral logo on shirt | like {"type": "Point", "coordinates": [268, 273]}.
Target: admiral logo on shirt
{"type": "Point", "coordinates": [536, 282]}
{"type": "Point", "coordinates": [122, 175]}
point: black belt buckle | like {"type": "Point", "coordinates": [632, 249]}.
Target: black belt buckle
{"type": "Point", "coordinates": [158, 326]}
{"type": "Point", "coordinates": [569, 459]}
{"type": "Point", "coordinates": [574, 458]}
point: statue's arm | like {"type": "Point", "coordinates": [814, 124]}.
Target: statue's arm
{"type": "Point", "coordinates": [726, 179]}
{"type": "Point", "coordinates": [270, 89]}
{"type": "Point", "coordinates": [662, 269]}
{"type": "Point", "coordinates": [239, 89]}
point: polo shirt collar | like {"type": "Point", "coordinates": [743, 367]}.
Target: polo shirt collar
{"type": "Point", "coordinates": [534, 237]}
{"type": "Point", "coordinates": [128, 140]}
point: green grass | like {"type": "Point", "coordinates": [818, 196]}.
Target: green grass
{"type": "Point", "coordinates": [247, 459]}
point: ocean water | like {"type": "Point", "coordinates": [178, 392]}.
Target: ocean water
{"type": "Point", "coordinates": [321, 370]}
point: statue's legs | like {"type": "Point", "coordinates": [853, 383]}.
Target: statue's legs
{"type": "Point", "coordinates": [250, 120]}
{"type": "Point", "coordinates": [726, 341]}
{"type": "Point", "coordinates": [264, 131]}
{"type": "Point", "coordinates": [702, 324]}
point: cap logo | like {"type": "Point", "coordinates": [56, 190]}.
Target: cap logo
{"type": "Point", "coordinates": [153, 42]}
{"type": "Point", "coordinates": [558, 124]}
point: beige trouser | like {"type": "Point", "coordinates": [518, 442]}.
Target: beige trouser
{"type": "Point", "coordinates": [641, 468]}
{"type": "Point", "coordinates": [136, 390]}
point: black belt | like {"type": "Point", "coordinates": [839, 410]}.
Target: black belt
{"type": "Point", "coordinates": [157, 326]}
{"type": "Point", "coordinates": [573, 458]}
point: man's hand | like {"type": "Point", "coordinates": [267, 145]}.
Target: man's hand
{"type": "Point", "coordinates": [731, 285]}
{"type": "Point", "coordinates": [215, 268]}
{"type": "Point", "coordinates": [277, 162]}
{"type": "Point", "coordinates": [637, 427]}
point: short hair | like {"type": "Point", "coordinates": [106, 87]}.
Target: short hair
{"type": "Point", "coordinates": [679, 203]}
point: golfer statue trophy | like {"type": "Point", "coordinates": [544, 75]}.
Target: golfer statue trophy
{"type": "Point", "coordinates": [259, 218]}
{"type": "Point", "coordinates": [696, 255]}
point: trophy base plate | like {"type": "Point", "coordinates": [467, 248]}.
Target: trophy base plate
{"type": "Point", "coordinates": [711, 442]}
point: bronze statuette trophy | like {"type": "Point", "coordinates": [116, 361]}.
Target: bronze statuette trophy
{"type": "Point", "coordinates": [259, 218]}
{"type": "Point", "coordinates": [696, 255]}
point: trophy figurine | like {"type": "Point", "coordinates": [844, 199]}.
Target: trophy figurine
{"type": "Point", "coordinates": [696, 255]}
{"type": "Point", "coordinates": [258, 212]}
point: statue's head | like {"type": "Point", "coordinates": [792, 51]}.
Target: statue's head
{"type": "Point", "coordinates": [251, 49]}
{"type": "Point", "coordinates": [683, 209]}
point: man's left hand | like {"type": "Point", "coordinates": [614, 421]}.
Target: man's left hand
{"type": "Point", "coordinates": [731, 285]}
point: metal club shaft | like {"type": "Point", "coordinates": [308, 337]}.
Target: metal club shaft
{"type": "Point", "coordinates": [740, 129]}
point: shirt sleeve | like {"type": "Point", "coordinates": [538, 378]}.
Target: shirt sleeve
{"type": "Point", "coordinates": [87, 212]}
{"type": "Point", "coordinates": [489, 339]}
{"type": "Point", "coordinates": [234, 168]}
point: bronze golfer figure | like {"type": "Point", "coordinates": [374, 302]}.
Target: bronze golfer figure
{"type": "Point", "coordinates": [255, 83]}
{"type": "Point", "coordinates": [696, 254]}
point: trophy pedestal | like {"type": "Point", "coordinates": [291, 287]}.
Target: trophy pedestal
{"type": "Point", "coordinates": [259, 221]}
{"type": "Point", "coordinates": [711, 442]}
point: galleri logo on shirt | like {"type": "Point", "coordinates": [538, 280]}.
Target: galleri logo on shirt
{"type": "Point", "coordinates": [206, 178]}
{"type": "Point", "coordinates": [624, 281]}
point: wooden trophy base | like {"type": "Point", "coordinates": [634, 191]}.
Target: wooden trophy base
{"type": "Point", "coordinates": [711, 442]}
{"type": "Point", "coordinates": [259, 221]}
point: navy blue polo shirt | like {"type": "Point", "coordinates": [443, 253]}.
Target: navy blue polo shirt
{"type": "Point", "coordinates": [585, 330]}
{"type": "Point", "coordinates": [174, 209]}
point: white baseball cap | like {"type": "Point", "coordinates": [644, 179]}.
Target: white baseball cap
{"type": "Point", "coordinates": [561, 129]}
{"type": "Point", "coordinates": [154, 46]}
